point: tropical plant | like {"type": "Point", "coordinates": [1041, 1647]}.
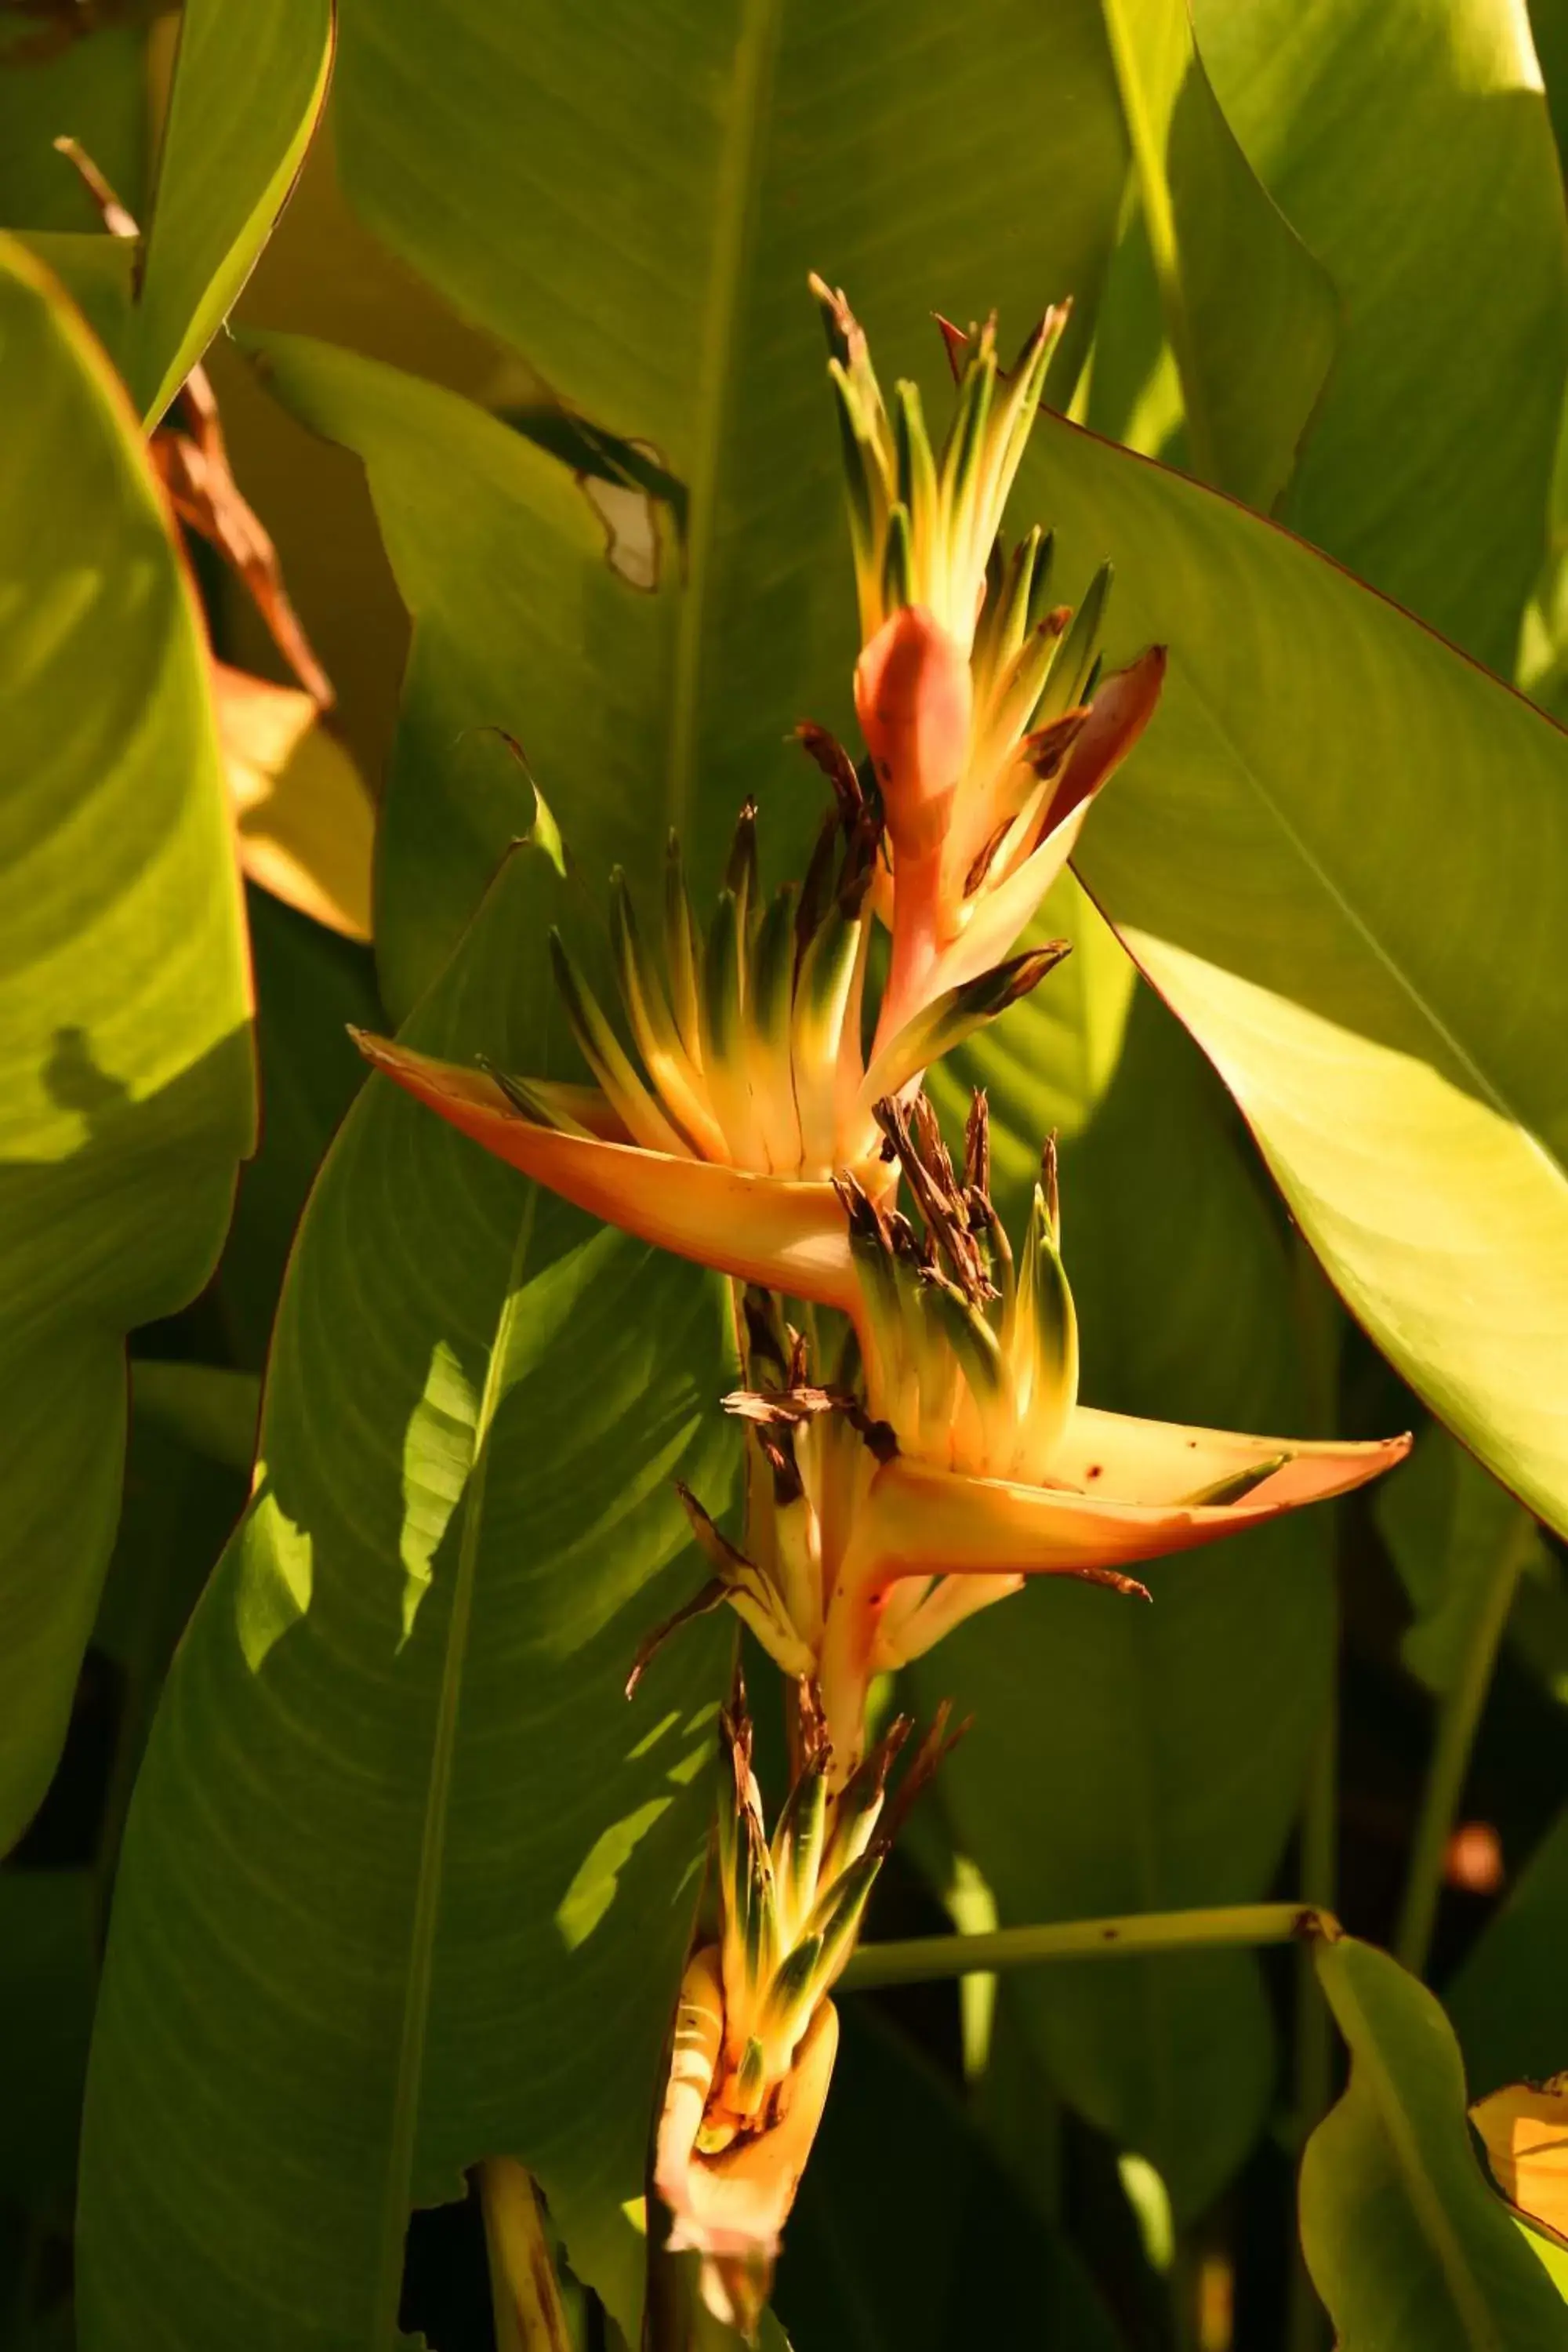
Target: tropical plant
{"type": "Point", "coordinates": [646, 1695]}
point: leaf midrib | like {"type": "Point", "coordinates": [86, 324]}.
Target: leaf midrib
{"type": "Point", "coordinates": [398, 2177]}
{"type": "Point", "coordinates": [736, 198]}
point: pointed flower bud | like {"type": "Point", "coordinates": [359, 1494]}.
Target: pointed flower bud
{"type": "Point", "coordinates": [976, 695]}
{"type": "Point", "coordinates": [755, 2032]}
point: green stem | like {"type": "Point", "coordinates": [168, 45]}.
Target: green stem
{"type": "Point", "coordinates": [1304, 2329]}
{"type": "Point", "coordinates": [1457, 1720]}
{"type": "Point", "coordinates": [926, 1959]}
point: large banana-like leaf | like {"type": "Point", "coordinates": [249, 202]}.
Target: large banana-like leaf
{"type": "Point", "coordinates": [1250, 317]}
{"type": "Point", "coordinates": [1407, 142]}
{"type": "Point", "coordinates": [635, 201]}
{"type": "Point", "coordinates": [249, 86]}
{"type": "Point", "coordinates": [1127, 1757]}
{"type": "Point", "coordinates": [406, 1882]}
{"type": "Point", "coordinates": [1407, 2245]}
{"type": "Point", "coordinates": [124, 1040]}
{"type": "Point", "coordinates": [1341, 853]}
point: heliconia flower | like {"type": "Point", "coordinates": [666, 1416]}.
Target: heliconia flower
{"type": "Point", "coordinates": [947, 1457]}
{"type": "Point", "coordinates": [755, 2033]}
{"type": "Point", "coordinates": [972, 691]}
{"type": "Point", "coordinates": [745, 1090]}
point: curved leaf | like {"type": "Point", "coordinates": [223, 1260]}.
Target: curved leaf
{"type": "Point", "coordinates": [1406, 2243]}
{"type": "Point", "coordinates": [1428, 467]}
{"type": "Point", "coordinates": [125, 1068]}
{"type": "Point", "coordinates": [1341, 854]}
{"type": "Point", "coordinates": [1128, 1757]}
{"type": "Point", "coordinates": [249, 85]}
{"type": "Point", "coordinates": [406, 1882]}
{"type": "Point", "coordinates": [1251, 318]}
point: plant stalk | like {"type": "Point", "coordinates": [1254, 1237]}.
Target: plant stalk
{"type": "Point", "coordinates": [1459, 1718]}
{"type": "Point", "coordinates": [925, 1959]}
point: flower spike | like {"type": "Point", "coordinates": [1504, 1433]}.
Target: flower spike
{"type": "Point", "coordinates": [975, 696]}
{"type": "Point", "coordinates": [945, 1456]}
{"type": "Point", "coordinates": [756, 2033]}
{"type": "Point", "coordinates": [718, 1129]}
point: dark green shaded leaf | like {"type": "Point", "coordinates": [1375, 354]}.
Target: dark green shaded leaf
{"type": "Point", "coordinates": [1506, 2000]}
{"type": "Point", "coordinates": [1128, 1757]}
{"type": "Point", "coordinates": [1450, 1529]}
{"type": "Point", "coordinates": [908, 2235]}
{"type": "Point", "coordinates": [406, 1882]}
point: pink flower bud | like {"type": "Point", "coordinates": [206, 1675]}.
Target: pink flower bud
{"type": "Point", "coordinates": [914, 699]}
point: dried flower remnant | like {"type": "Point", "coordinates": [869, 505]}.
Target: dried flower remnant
{"type": "Point", "coordinates": [745, 1089]}
{"type": "Point", "coordinates": [946, 1456]}
{"type": "Point", "coordinates": [755, 2033]}
{"type": "Point", "coordinates": [974, 692]}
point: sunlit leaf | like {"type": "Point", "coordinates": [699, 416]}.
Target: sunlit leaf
{"type": "Point", "coordinates": [123, 1022]}
{"type": "Point", "coordinates": [1341, 853]}
{"type": "Point", "coordinates": [305, 821]}
{"type": "Point", "coordinates": [406, 1882]}
{"type": "Point", "coordinates": [1409, 2248]}
{"type": "Point", "coordinates": [1250, 317]}
{"type": "Point", "coordinates": [249, 85]}
{"type": "Point", "coordinates": [1428, 464]}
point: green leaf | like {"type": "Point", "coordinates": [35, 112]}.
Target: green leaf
{"type": "Point", "coordinates": [898, 2167]}
{"type": "Point", "coordinates": [213, 1409]}
{"type": "Point", "coordinates": [1505, 2000]}
{"type": "Point", "coordinates": [1407, 2245]}
{"type": "Point", "coordinates": [405, 1881]}
{"type": "Point", "coordinates": [1427, 466]}
{"type": "Point", "coordinates": [311, 986]}
{"type": "Point", "coordinates": [634, 202]}
{"type": "Point", "coordinates": [249, 85]}
{"type": "Point", "coordinates": [57, 82]}
{"type": "Point", "coordinates": [518, 625]}
{"type": "Point", "coordinates": [1128, 1757]}
{"type": "Point", "coordinates": [1450, 1527]}
{"type": "Point", "coordinates": [1250, 317]}
{"type": "Point", "coordinates": [124, 1055]}
{"type": "Point", "coordinates": [49, 1971]}
{"type": "Point", "coordinates": [1391, 1029]}
{"type": "Point", "coordinates": [96, 272]}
